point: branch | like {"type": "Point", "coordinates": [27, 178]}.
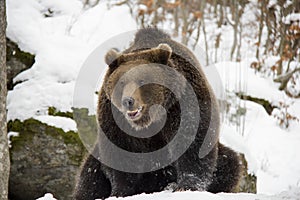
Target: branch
{"type": "Point", "coordinates": [284, 79]}
{"type": "Point", "coordinates": [121, 3]}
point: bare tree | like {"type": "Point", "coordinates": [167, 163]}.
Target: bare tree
{"type": "Point", "coordinates": [4, 154]}
{"type": "Point", "coordinates": [220, 22]}
{"type": "Point", "coordinates": [260, 17]}
{"type": "Point", "coordinates": [237, 10]}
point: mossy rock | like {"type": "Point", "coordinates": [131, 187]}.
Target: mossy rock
{"type": "Point", "coordinates": [87, 126]}
{"type": "Point", "coordinates": [16, 61]}
{"type": "Point", "coordinates": [266, 104]}
{"type": "Point", "coordinates": [248, 181]}
{"type": "Point", "coordinates": [43, 159]}
{"type": "Point", "coordinates": [47, 159]}
{"type": "Point", "coordinates": [54, 112]}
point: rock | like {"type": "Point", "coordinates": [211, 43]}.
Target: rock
{"type": "Point", "coordinates": [54, 112]}
{"type": "Point", "coordinates": [87, 127]}
{"type": "Point", "coordinates": [248, 181]}
{"type": "Point", "coordinates": [16, 61]}
{"type": "Point", "coordinates": [44, 159]}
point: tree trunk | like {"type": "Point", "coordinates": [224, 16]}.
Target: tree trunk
{"type": "Point", "coordinates": [234, 11]}
{"type": "Point", "coordinates": [4, 155]}
{"type": "Point", "coordinates": [176, 21]}
{"type": "Point", "coordinates": [268, 21]}
{"type": "Point", "coordinates": [205, 42]}
{"type": "Point", "coordinates": [261, 26]}
{"type": "Point", "coordinates": [239, 45]}
{"type": "Point", "coordinates": [281, 48]}
{"type": "Point", "coordinates": [184, 32]}
{"type": "Point", "coordinates": [219, 24]}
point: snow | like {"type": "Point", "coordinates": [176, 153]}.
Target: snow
{"type": "Point", "coordinates": [271, 61]}
{"type": "Point", "coordinates": [230, 137]}
{"type": "Point", "coordinates": [293, 17]}
{"type": "Point", "coordinates": [271, 151]}
{"type": "Point", "coordinates": [47, 196]}
{"type": "Point", "coordinates": [272, 3]}
{"type": "Point", "coordinates": [10, 135]}
{"type": "Point", "coordinates": [64, 123]}
{"type": "Point", "coordinates": [63, 7]}
{"type": "Point", "coordinates": [275, 151]}
{"type": "Point", "coordinates": [293, 194]}
{"type": "Point", "coordinates": [238, 77]}
{"type": "Point", "coordinates": [188, 195]}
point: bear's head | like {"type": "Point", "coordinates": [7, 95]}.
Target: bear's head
{"type": "Point", "coordinates": [141, 85]}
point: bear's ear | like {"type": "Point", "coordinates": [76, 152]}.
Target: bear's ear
{"type": "Point", "coordinates": [163, 53]}
{"type": "Point", "coordinates": [112, 56]}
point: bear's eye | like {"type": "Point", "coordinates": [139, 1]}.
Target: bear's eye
{"type": "Point", "coordinates": [141, 82]}
{"type": "Point", "coordinates": [121, 82]}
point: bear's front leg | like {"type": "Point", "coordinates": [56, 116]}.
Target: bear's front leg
{"type": "Point", "coordinates": [92, 182]}
{"type": "Point", "coordinates": [122, 183]}
{"type": "Point", "coordinates": [194, 173]}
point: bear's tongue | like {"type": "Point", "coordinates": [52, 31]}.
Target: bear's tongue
{"type": "Point", "coordinates": [135, 113]}
{"type": "Point", "coordinates": [132, 114]}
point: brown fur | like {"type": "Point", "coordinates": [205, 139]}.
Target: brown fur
{"type": "Point", "coordinates": [192, 171]}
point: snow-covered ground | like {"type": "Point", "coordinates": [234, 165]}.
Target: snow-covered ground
{"type": "Point", "coordinates": [292, 194]}
{"type": "Point", "coordinates": [271, 151]}
{"type": "Point", "coordinates": [188, 195]}
{"type": "Point", "coordinates": [63, 41]}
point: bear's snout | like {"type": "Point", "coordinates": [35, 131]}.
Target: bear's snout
{"type": "Point", "coordinates": [128, 102]}
{"type": "Point", "coordinates": [132, 109]}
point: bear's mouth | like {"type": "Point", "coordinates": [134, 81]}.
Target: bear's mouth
{"type": "Point", "coordinates": [135, 114]}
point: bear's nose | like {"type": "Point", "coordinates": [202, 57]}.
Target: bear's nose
{"type": "Point", "coordinates": [128, 102]}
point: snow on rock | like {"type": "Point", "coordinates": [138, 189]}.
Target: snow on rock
{"type": "Point", "coordinates": [64, 123]}
{"type": "Point", "coordinates": [47, 196]}
{"type": "Point", "coordinates": [275, 150]}
{"type": "Point", "coordinates": [231, 138]}
{"type": "Point", "coordinates": [10, 135]}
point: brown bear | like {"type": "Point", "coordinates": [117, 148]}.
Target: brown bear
{"type": "Point", "coordinates": [140, 110]}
